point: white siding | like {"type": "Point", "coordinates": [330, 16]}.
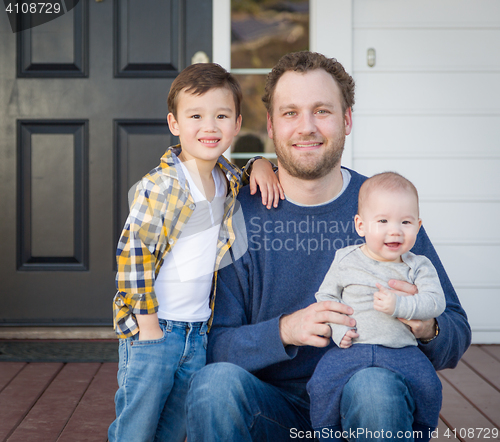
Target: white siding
{"type": "Point", "coordinates": [430, 109]}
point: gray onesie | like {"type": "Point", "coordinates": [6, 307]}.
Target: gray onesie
{"type": "Point", "coordinates": [351, 280]}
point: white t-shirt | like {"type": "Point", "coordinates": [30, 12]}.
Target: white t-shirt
{"type": "Point", "coordinates": [184, 282]}
{"type": "Point", "coordinates": [346, 179]}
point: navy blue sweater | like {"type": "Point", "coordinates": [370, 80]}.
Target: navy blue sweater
{"type": "Point", "coordinates": [290, 250]}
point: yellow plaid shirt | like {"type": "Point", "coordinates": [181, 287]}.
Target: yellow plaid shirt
{"type": "Point", "coordinates": [161, 207]}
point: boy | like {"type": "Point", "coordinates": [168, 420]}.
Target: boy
{"type": "Point", "coordinates": [179, 228]}
{"type": "Point", "coordinates": [388, 218]}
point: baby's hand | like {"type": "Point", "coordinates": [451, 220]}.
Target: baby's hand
{"type": "Point", "coordinates": [384, 300]}
{"type": "Point", "coordinates": [347, 339]}
{"type": "Point", "coordinates": [270, 188]}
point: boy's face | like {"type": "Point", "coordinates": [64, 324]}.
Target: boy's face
{"type": "Point", "coordinates": [206, 124]}
{"type": "Point", "coordinates": [389, 222]}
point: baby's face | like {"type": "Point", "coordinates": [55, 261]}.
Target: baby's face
{"type": "Point", "coordinates": [389, 222]}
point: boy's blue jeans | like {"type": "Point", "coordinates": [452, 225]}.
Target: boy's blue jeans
{"type": "Point", "coordinates": [153, 379]}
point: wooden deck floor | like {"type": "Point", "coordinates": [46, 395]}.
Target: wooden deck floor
{"type": "Point", "coordinates": [73, 402]}
{"type": "Point", "coordinates": [471, 396]}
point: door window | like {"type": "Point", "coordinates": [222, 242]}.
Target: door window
{"type": "Point", "coordinates": [262, 31]}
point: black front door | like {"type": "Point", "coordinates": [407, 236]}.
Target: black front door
{"type": "Point", "coordinates": [82, 118]}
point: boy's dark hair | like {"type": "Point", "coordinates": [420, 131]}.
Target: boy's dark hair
{"type": "Point", "coordinates": [391, 181]}
{"type": "Point", "coordinates": [308, 61]}
{"type": "Point", "coordinates": [200, 78]}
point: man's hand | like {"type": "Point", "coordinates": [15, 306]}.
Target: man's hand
{"type": "Point", "coordinates": [420, 329]}
{"type": "Point", "coordinates": [309, 326]}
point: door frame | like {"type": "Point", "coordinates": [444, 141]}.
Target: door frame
{"type": "Point", "coordinates": [331, 33]}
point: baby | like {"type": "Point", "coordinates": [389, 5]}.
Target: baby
{"type": "Point", "coordinates": [388, 219]}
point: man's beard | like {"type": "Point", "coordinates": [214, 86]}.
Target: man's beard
{"type": "Point", "coordinates": [308, 165]}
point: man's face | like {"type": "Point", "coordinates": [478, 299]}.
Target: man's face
{"type": "Point", "coordinates": [307, 123]}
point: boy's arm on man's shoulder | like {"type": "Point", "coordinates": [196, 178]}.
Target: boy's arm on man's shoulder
{"type": "Point", "coordinates": [261, 175]}
{"type": "Point", "coordinates": [247, 169]}
{"type": "Point", "coordinates": [454, 330]}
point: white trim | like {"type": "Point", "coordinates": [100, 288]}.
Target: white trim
{"type": "Point", "coordinates": [429, 113]}
{"type": "Point", "coordinates": [485, 334]}
{"type": "Point", "coordinates": [221, 33]}
{"type": "Point", "coordinates": [431, 69]}
{"type": "Point", "coordinates": [487, 328]}
{"type": "Point", "coordinates": [251, 71]}
{"type": "Point", "coordinates": [476, 286]}
{"type": "Point", "coordinates": [485, 337]}
{"type": "Point", "coordinates": [331, 31]}
{"type": "Point", "coordinates": [427, 156]}
{"type": "Point", "coordinates": [331, 23]}
{"type": "Point", "coordinates": [221, 39]}
{"type": "Point", "coordinates": [460, 199]}
{"type": "Point", "coordinates": [471, 26]}
{"type": "Point", "coordinates": [245, 155]}
{"type": "Point", "coordinates": [467, 243]}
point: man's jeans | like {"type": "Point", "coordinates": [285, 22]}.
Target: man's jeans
{"type": "Point", "coordinates": [153, 378]}
{"type": "Point", "coordinates": [226, 403]}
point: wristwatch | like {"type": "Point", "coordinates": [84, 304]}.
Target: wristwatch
{"type": "Point", "coordinates": [436, 328]}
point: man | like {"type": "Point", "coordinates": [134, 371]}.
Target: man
{"type": "Point", "coordinates": [268, 333]}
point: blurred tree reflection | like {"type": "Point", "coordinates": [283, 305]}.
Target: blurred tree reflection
{"type": "Point", "coordinates": [262, 31]}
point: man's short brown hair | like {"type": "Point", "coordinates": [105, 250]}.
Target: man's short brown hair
{"type": "Point", "coordinates": [308, 61]}
{"type": "Point", "coordinates": [200, 78]}
{"type": "Point", "coordinates": [391, 181]}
